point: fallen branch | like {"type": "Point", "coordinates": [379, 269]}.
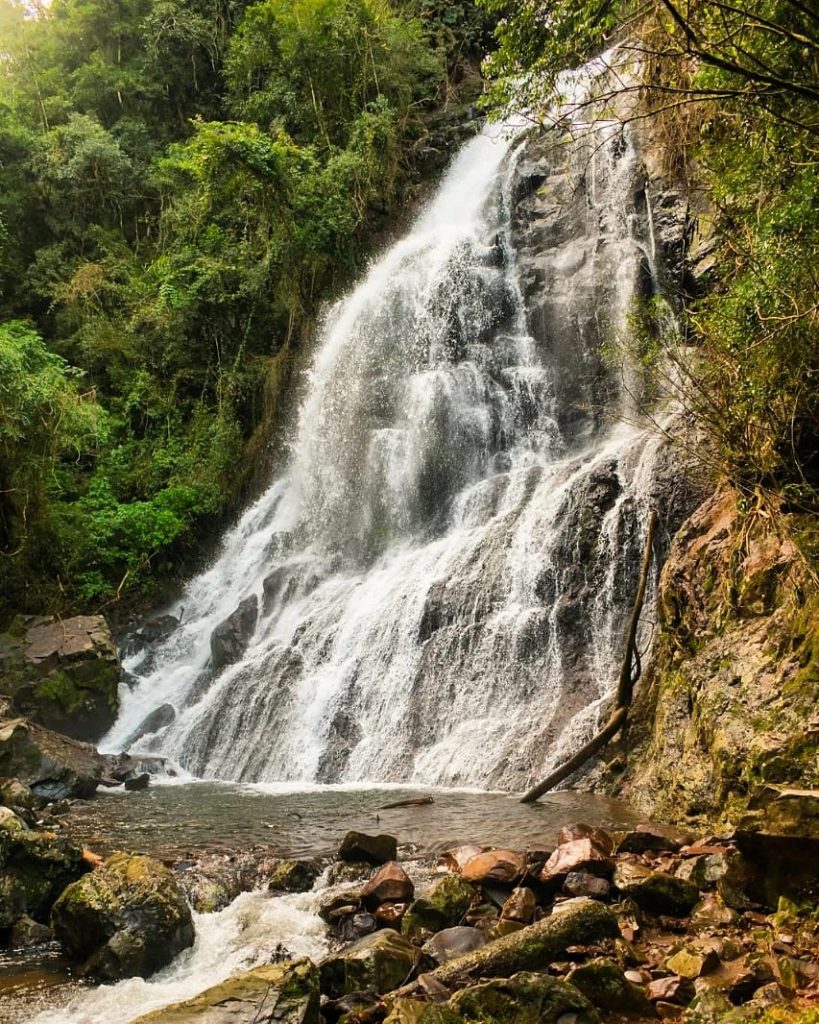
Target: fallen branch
{"type": "Point", "coordinates": [630, 671]}
{"type": "Point", "coordinates": [415, 801]}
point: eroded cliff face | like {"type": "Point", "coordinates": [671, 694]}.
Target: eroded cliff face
{"type": "Point", "coordinates": [729, 702]}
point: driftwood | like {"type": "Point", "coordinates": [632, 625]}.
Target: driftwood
{"type": "Point", "coordinates": [630, 670]}
{"type": "Point", "coordinates": [415, 801]}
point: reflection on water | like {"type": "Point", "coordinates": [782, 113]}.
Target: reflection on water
{"type": "Point", "coordinates": [170, 820]}
{"type": "Point", "coordinates": [31, 980]}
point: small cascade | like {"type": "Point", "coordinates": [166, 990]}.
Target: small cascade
{"type": "Point", "coordinates": [435, 589]}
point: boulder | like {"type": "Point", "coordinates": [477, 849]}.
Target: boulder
{"type": "Point", "coordinates": [440, 907]}
{"type": "Point", "coordinates": [14, 793]}
{"type": "Point", "coordinates": [524, 998]}
{"type": "Point", "coordinates": [63, 674]}
{"type": "Point", "coordinates": [605, 985]}
{"type": "Point", "coordinates": [138, 782]}
{"type": "Point", "coordinates": [708, 1007]}
{"type": "Point", "coordinates": [692, 962]}
{"type": "Point", "coordinates": [599, 836]}
{"type": "Point", "coordinates": [10, 821]}
{"type": "Point", "coordinates": [520, 906]}
{"type": "Point", "coordinates": [458, 857]}
{"type": "Point", "coordinates": [228, 642]}
{"type": "Point", "coordinates": [495, 866]}
{"type": "Point", "coordinates": [454, 942]}
{"type": "Point", "coordinates": [704, 870]}
{"type": "Point", "coordinates": [293, 875]}
{"type": "Point", "coordinates": [283, 993]}
{"type": "Point", "coordinates": [576, 856]}
{"type": "Point", "coordinates": [581, 883]}
{"type": "Point", "coordinates": [26, 933]}
{"type": "Point", "coordinates": [711, 913]}
{"type": "Point", "coordinates": [159, 718]}
{"type": "Point", "coordinates": [671, 989]}
{"type": "Point", "coordinates": [52, 766]}
{"type": "Point", "coordinates": [357, 847]}
{"type": "Point", "coordinates": [127, 918]}
{"type": "Point", "coordinates": [655, 891]}
{"type": "Point", "coordinates": [35, 867]}
{"type": "Point", "coordinates": [653, 839]}
{"type": "Point", "coordinates": [379, 962]}
{"type": "Point", "coordinates": [390, 884]}
{"type": "Point", "coordinates": [390, 915]}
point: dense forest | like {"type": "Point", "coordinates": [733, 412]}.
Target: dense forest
{"type": "Point", "coordinates": [185, 182]}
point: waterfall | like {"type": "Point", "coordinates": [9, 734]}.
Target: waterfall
{"type": "Point", "coordinates": [441, 576]}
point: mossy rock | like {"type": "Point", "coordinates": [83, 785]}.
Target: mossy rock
{"type": "Point", "coordinates": [379, 962]}
{"type": "Point", "coordinates": [442, 907]}
{"type": "Point", "coordinates": [604, 984]}
{"type": "Point", "coordinates": [525, 998]}
{"type": "Point", "coordinates": [293, 876]}
{"type": "Point", "coordinates": [284, 993]}
{"type": "Point", "coordinates": [35, 868]}
{"type": "Point", "coordinates": [127, 918]}
{"type": "Point", "coordinates": [656, 891]}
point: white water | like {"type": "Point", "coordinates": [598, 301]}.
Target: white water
{"type": "Point", "coordinates": [453, 546]}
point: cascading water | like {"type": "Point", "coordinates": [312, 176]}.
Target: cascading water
{"type": "Point", "coordinates": [440, 578]}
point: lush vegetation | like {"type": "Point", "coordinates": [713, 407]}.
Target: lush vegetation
{"type": "Point", "coordinates": [733, 88]}
{"type": "Point", "coordinates": [182, 182]}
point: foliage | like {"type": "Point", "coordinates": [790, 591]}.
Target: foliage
{"type": "Point", "coordinates": [182, 183]}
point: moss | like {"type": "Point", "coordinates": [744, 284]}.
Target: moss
{"type": "Point", "coordinates": [442, 907]}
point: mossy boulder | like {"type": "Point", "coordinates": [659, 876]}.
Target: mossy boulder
{"type": "Point", "coordinates": [441, 907]}
{"type": "Point", "coordinates": [35, 867]}
{"type": "Point", "coordinates": [379, 962]}
{"type": "Point", "coordinates": [63, 674]}
{"type": "Point", "coordinates": [655, 891]}
{"type": "Point", "coordinates": [293, 876]}
{"type": "Point", "coordinates": [605, 985]}
{"type": "Point", "coordinates": [525, 998]}
{"type": "Point", "coordinates": [284, 993]}
{"type": "Point", "coordinates": [127, 918]}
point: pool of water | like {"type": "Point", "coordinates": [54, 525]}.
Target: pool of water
{"type": "Point", "coordinates": [176, 820]}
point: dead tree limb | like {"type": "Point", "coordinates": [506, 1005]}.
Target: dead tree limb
{"type": "Point", "coordinates": [630, 670]}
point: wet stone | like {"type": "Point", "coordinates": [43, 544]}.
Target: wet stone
{"type": "Point", "coordinates": [653, 839]}
{"type": "Point", "coordinates": [579, 855]}
{"type": "Point", "coordinates": [655, 891]}
{"type": "Point", "coordinates": [495, 866]}
{"type": "Point", "coordinates": [442, 906]}
{"type": "Point", "coordinates": [599, 836]}
{"type": "Point", "coordinates": [604, 984]}
{"type": "Point", "coordinates": [454, 942]}
{"type": "Point", "coordinates": [581, 883]}
{"type": "Point", "coordinates": [357, 847]}
{"type": "Point", "coordinates": [390, 884]}
{"type": "Point", "coordinates": [520, 906]}
{"type": "Point", "coordinates": [379, 962]}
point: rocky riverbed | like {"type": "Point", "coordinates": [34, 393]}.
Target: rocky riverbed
{"type": "Point", "coordinates": [642, 922]}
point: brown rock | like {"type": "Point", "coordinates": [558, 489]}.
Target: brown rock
{"type": "Point", "coordinates": [504, 866]}
{"type": "Point", "coordinates": [390, 884]}
{"type": "Point", "coordinates": [580, 831]}
{"type": "Point", "coordinates": [390, 914]}
{"type": "Point", "coordinates": [673, 989]}
{"type": "Point", "coordinates": [581, 883]}
{"type": "Point", "coordinates": [710, 913]}
{"type": "Point", "coordinates": [668, 1011]}
{"type": "Point", "coordinates": [457, 858]}
{"type": "Point", "coordinates": [578, 855]}
{"type": "Point", "coordinates": [520, 906]}
{"type": "Point", "coordinates": [653, 838]}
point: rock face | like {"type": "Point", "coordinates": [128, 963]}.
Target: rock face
{"type": "Point", "coordinates": [127, 918]}
{"type": "Point", "coordinates": [285, 993]}
{"type": "Point", "coordinates": [63, 674]}
{"type": "Point", "coordinates": [728, 703]}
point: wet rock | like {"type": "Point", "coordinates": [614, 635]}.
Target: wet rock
{"type": "Point", "coordinates": [293, 875]}
{"type": "Point", "coordinates": [534, 946]}
{"type": "Point", "coordinates": [335, 905]}
{"type": "Point", "coordinates": [653, 839]}
{"type": "Point", "coordinates": [63, 674]}
{"type": "Point", "coordinates": [498, 866]}
{"type": "Point", "coordinates": [127, 918]}
{"type": "Point", "coordinates": [283, 993]}
{"type": "Point", "coordinates": [655, 891]}
{"type": "Point", "coordinates": [355, 926]}
{"type": "Point", "coordinates": [35, 867]}
{"type": "Point", "coordinates": [581, 883]}
{"type": "Point", "coordinates": [440, 907]}
{"type": "Point", "coordinates": [391, 915]}
{"type": "Point", "coordinates": [703, 870]}
{"type": "Point", "coordinates": [159, 718]}
{"type": "Point", "coordinates": [390, 884]}
{"type": "Point", "coordinates": [457, 858]}
{"type": "Point", "coordinates": [672, 989]}
{"type": "Point", "coordinates": [605, 985]}
{"type": "Point", "coordinates": [158, 628]}
{"type": "Point", "coordinates": [708, 1007]}
{"type": "Point", "coordinates": [11, 821]}
{"type": "Point", "coordinates": [229, 640]}
{"type": "Point", "coordinates": [357, 847]}
{"type": "Point", "coordinates": [576, 856]}
{"type": "Point", "coordinates": [693, 963]}
{"type": "Point", "coordinates": [26, 933]}
{"type": "Point", "coordinates": [379, 962]}
{"type": "Point", "coordinates": [520, 906]}
{"type": "Point", "coordinates": [599, 836]}
{"type": "Point", "coordinates": [454, 942]}
{"type": "Point", "coordinates": [136, 783]}
{"type": "Point", "coordinates": [524, 998]}
{"type": "Point", "coordinates": [348, 1008]}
